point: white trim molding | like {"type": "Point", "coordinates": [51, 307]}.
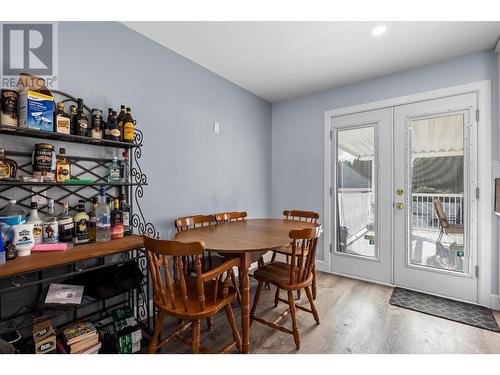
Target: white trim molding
{"type": "Point", "coordinates": [485, 202]}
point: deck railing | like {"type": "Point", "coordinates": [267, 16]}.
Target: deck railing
{"type": "Point", "coordinates": [424, 214]}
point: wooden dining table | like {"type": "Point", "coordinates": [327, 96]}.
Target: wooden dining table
{"type": "Point", "coordinates": [248, 239]}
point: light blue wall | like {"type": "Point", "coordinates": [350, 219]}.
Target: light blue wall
{"type": "Point", "coordinates": [297, 133]}
{"type": "Point", "coordinates": [190, 169]}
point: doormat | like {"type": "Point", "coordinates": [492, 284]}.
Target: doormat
{"type": "Point", "coordinates": [466, 313]}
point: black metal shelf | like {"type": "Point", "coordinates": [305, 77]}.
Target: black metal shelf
{"type": "Point", "coordinates": [23, 183]}
{"type": "Point", "coordinates": [41, 134]}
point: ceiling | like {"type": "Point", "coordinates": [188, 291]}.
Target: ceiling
{"type": "Point", "coordinates": [282, 60]}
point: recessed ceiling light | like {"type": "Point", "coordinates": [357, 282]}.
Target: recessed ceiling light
{"type": "Point", "coordinates": [379, 30]}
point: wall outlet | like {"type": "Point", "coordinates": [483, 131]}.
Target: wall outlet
{"type": "Point", "coordinates": [40, 199]}
{"type": "Point", "coordinates": [216, 127]}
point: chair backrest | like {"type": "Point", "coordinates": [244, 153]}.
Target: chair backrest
{"type": "Point", "coordinates": [308, 216]}
{"type": "Point", "coordinates": [168, 289]}
{"type": "Point", "coordinates": [224, 217]}
{"type": "Point", "coordinates": [195, 221]}
{"type": "Point", "coordinates": [443, 221]}
{"type": "Point", "coordinates": [303, 252]}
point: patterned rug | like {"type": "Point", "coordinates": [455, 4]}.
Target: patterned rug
{"type": "Point", "coordinates": [466, 313]}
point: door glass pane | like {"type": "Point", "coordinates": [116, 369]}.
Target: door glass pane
{"type": "Point", "coordinates": [356, 198]}
{"type": "Point", "coordinates": [437, 211]}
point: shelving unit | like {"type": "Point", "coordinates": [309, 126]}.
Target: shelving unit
{"type": "Point", "coordinates": [37, 270]}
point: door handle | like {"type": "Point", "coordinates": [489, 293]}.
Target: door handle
{"type": "Point", "coordinates": [399, 206]}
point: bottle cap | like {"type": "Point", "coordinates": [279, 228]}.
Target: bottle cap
{"type": "Point", "coordinates": [128, 109]}
{"type": "Point", "coordinates": [66, 204]}
{"type": "Point", "coordinates": [122, 107]}
{"type": "Point", "coordinates": [114, 113]}
{"type": "Point", "coordinates": [60, 106]}
{"type": "Point", "coordinates": [34, 205]}
{"type": "Point", "coordinates": [62, 151]}
{"type": "Point", "coordinates": [102, 191]}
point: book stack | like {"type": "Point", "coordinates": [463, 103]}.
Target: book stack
{"type": "Point", "coordinates": [79, 338]}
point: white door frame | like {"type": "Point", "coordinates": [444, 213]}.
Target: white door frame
{"type": "Point", "coordinates": [485, 202]}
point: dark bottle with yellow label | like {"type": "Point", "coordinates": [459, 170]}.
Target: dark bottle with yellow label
{"type": "Point", "coordinates": [128, 127]}
{"type": "Point", "coordinates": [120, 119]}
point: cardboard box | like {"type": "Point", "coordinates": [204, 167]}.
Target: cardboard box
{"type": "Point", "coordinates": [44, 337]}
{"type": "Point", "coordinates": [127, 331]}
{"type": "Point", "coordinates": [36, 104]}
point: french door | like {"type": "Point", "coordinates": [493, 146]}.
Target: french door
{"type": "Point", "coordinates": [435, 214]}
{"type": "Point", "coordinates": [403, 200]}
{"type": "Point", "coordinates": [362, 181]}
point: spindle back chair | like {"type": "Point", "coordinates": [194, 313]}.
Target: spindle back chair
{"type": "Point", "coordinates": [293, 276]}
{"type": "Point", "coordinates": [225, 217]}
{"type": "Point", "coordinates": [179, 294]}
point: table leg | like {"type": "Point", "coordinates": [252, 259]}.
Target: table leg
{"type": "Point", "coordinates": [245, 302]}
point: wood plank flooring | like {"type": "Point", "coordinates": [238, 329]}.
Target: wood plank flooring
{"type": "Point", "coordinates": [355, 318]}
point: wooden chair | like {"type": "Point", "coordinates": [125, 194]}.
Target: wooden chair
{"type": "Point", "coordinates": [210, 260]}
{"type": "Point", "coordinates": [446, 227]}
{"type": "Point", "coordinates": [293, 276]}
{"type": "Point", "coordinates": [226, 217]}
{"type": "Point", "coordinates": [185, 296]}
{"type": "Point", "coordinates": [307, 216]}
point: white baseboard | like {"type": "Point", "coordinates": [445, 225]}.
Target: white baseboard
{"type": "Point", "coordinates": [495, 302]}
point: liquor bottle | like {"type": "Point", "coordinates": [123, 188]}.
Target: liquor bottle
{"type": "Point", "coordinates": [81, 120]}
{"type": "Point", "coordinates": [81, 220]}
{"type": "Point", "coordinates": [37, 222]}
{"type": "Point", "coordinates": [114, 171]}
{"type": "Point", "coordinates": [96, 131]}
{"type": "Point", "coordinates": [120, 122]}
{"type": "Point", "coordinates": [103, 220]}
{"type": "Point", "coordinates": [66, 225]}
{"type": "Point", "coordinates": [93, 220]}
{"type": "Point", "coordinates": [62, 120]}
{"type": "Point", "coordinates": [72, 114]}
{"type": "Point", "coordinates": [50, 227]}
{"type": "Point", "coordinates": [124, 167]}
{"type": "Point", "coordinates": [116, 221]}
{"type": "Point", "coordinates": [125, 209]}
{"type": "Point", "coordinates": [128, 127]}
{"type": "Point", "coordinates": [63, 168]}
{"type": "Point", "coordinates": [114, 131]}
{"type": "Point", "coordinates": [106, 125]}
{"type": "Point", "coordinates": [8, 167]}
{"type": "Point", "coordinates": [109, 202]}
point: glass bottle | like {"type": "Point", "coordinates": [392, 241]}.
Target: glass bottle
{"type": "Point", "coordinates": [128, 127]}
{"type": "Point", "coordinates": [62, 120]}
{"type": "Point", "coordinates": [81, 120]}
{"type": "Point", "coordinates": [120, 120]}
{"type": "Point", "coordinates": [81, 220]}
{"type": "Point", "coordinates": [103, 220]}
{"type": "Point", "coordinates": [124, 168]}
{"type": "Point", "coordinates": [63, 167]}
{"type": "Point", "coordinates": [114, 131]}
{"type": "Point", "coordinates": [96, 131]}
{"type": "Point", "coordinates": [109, 202]}
{"type": "Point", "coordinates": [116, 221]}
{"type": "Point", "coordinates": [72, 114]}
{"type": "Point", "coordinates": [8, 167]}
{"type": "Point", "coordinates": [107, 123]}
{"type": "Point", "coordinates": [50, 226]}
{"type": "Point", "coordinates": [114, 171]}
{"type": "Point", "coordinates": [125, 209]}
{"type": "Point", "coordinates": [66, 225]}
{"type": "Point", "coordinates": [37, 222]}
{"type": "Point", "coordinates": [93, 220]}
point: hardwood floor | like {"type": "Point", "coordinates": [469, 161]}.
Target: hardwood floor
{"type": "Point", "coordinates": [355, 318]}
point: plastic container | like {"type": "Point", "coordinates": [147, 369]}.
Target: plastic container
{"type": "Point", "coordinates": [23, 239]}
{"type": "Point", "coordinates": [10, 215]}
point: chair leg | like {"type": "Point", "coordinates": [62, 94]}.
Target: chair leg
{"type": "Point", "coordinates": [156, 332]}
{"type": "Point", "coordinates": [232, 323]}
{"type": "Point", "coordinates": [237, 287]}
{"type": "Point", "coordinates": [273, 258]}
{"type": "Point", "coordinates": [298, 294]}
{"type": "Point", "coordinates": [196, 336]}
{"type": "Point", "coordinates": [210, 321]}
{"type": "Point", "coordinates": [295, 326]}
{"type": "Point", "coordinates": [276, 296]}
{"type": "Point", "coordinates": [314, 281]}
{"type": "Point", "coordinates": [255, 301]}
{"type": "Point", "coordinates": [310, 297]}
